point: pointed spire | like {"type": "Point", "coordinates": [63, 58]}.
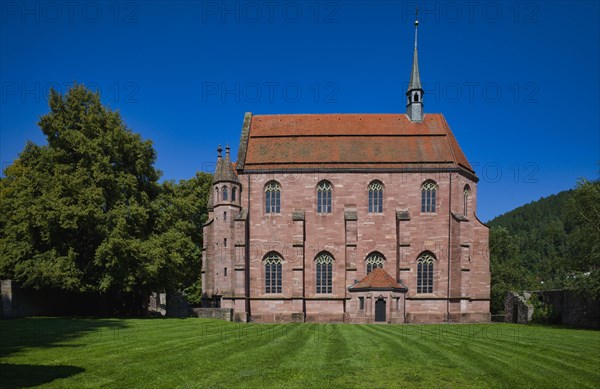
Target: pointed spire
{"type": "Point", "coordinates": [219, 151]}
{"type": "Point", "coordinates": [414, 93]}
{"type": "Point", "coordinates": [415, 80]}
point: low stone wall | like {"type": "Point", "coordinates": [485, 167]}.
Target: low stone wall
{"type": "Point", "coordinates": [562, 307]}
{"type": "Point", "coordinates": [516, 308]}
{"type": "Point", "coordinates": [213, 313]}
{"type": "Point", "coordinates": [17, 301]}
{"type": "Point", "coordinates": [20, 302]}
{"type": "Point", "coordinates": [579, 311]}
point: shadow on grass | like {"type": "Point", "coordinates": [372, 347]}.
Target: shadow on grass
{"type": "Point", "coordinates": [24, 376]}
{"type": "Point", "coordinates": [43, 332]}
{"type": "Point", "coordinates": [19, 335]}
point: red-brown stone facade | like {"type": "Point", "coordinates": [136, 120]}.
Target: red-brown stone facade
{"type": "Point", "coordinates": [234, 270]}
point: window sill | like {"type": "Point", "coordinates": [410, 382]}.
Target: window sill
{"type": "Point", "coordinates": [425, 296]}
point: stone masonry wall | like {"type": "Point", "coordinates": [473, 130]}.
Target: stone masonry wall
{"type": "Point", "coordinates": [350, 241]}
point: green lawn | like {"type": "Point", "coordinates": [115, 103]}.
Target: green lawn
{"type": "Point", "coordinates": [120, 353]}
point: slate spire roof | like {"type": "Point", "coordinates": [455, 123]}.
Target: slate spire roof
{"type": "Point", "coordinates": [415, 79]}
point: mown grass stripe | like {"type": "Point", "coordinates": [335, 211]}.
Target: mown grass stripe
{"type": "Point", "coordinates": [439, 362]}
{"type": "Point", "coordinates": [266, 352]}
{"type": "Point", "coordinates": [525, 355]}
{"type": "Point", "coordinates": [209, 353]}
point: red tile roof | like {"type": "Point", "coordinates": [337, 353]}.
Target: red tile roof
{"type": "Point", "coordinates": [378, 279]}
{"type": "Point", "coordinates": [348, 141]}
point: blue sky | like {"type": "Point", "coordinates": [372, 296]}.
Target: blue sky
{"type": "Point", "coordinates": [518, 82]}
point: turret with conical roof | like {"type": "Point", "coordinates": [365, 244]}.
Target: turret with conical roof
{"type": "Point", "coordinates": [224, 205]}
{"type": "Point", "coordinates": [226, 185]}
{"type": "Point", "coordinates": [224, 171]}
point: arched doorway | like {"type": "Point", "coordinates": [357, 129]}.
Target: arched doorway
{"type": "Point", "coordinates": [380, 310]}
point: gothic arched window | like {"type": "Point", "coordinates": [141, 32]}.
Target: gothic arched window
{"type": "Point", "coordinates": [272, 197]}
{"type": "Point", "coordinates": [466, 193]}
{"type": "Point", "coordinates": [425, 273]}
{"type": "Point", "coordinates": [273, 263]}
{"type": "Point", "coordinates": [428, 191]}
{"type": "Point", "coordinates": [375, 197]}
{"type": "Point", "coordinates": [324, 197]}
{"type": "Point", "coordinates": [233, 193]}
{"type": "Point", "coordinates": [324, 263]}
{"type": "Point", "coordinates": [225, 194]}
{"type": "Point", "coordinates": [375, 259]}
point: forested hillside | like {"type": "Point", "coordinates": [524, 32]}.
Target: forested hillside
{"type": "Point", "coordinates": [547, 244]}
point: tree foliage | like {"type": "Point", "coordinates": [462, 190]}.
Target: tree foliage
{"type": "Point", "coordinates": [86, 212]}
{"type": "Point", "coordinates": [583, 210]}
{"type": "Point", "coordinates": [183, 210]}
{"type": "Point", "coordinates": [508, 272]}
{"type": "Point", "coordinates": [550, 243]}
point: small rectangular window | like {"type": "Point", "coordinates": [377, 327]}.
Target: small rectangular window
{"type": "Point", "coordinates": [361, 303]}
{"type": "Point", "coordinates": [225, 242]}
{"type": "Point", "coordinates": [225, 216]}
{"type": "Point", "coordinates": [225, 272]}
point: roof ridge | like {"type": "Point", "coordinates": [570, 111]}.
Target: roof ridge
{"type": "Point", "coordinates": [333, 135]}
{"type": "Point", "coordinates": [339, 113]}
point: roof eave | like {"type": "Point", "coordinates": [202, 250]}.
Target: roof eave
{"type": "Point", "coordinates": [376, 289]}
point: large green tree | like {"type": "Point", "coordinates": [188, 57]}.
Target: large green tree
{"type": "Point", "coordinates": [177, 237]}
{"type": "Point", "coordinates": [86, 213]}
{"type": "Point", "coordinates": [507, 269]}
{"type": "Point", "coordinates": [583, 261]}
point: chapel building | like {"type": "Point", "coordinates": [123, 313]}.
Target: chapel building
{"type": "Point", "coordinates": [354, 218]}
